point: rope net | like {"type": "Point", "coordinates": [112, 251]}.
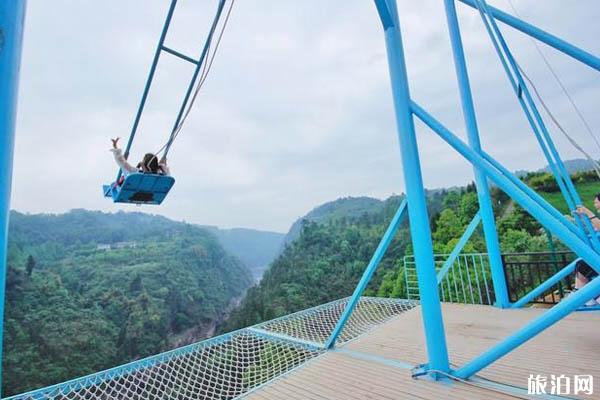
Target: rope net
{"type": "Point", "coordinates": [230, 365]}
{"type": "Point", "coordinates": [316, 324]}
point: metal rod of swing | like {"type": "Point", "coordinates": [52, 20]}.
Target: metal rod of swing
{"type": "Point", "coordinates": [140, 110]}
{"type": "Point", "coordinates": [483, 193]}
{"type": "Point", "coordinates": [12, 19]}
{"type": "Point", "coordinates": [543, 36]}
{"type": "Point", "coordinates": [195, 75]}
{"type": "Point", "coordinates": [435, 337]}
{"type": "Point", "coordinates": [368, 274]}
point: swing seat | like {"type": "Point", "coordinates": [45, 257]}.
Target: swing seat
{"type": "Point", "coordinates": [140, 188]}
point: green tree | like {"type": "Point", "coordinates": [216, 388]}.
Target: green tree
{"type": "Point", "coordinates": [30, 265]}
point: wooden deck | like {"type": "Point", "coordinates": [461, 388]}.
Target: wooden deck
{"type": "Point", "coordinates": [377, 365]}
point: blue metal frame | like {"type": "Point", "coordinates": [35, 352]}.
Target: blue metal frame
{"type": "Point", "coordinates": [535, 120]}
{"type": "Point", "coordinates": [459, 246]}
{"type": "Point", "coordinates": [544, 217]}
{"type": "Point", "coordinates": [543, 36]}
{"type": "Point", "coordinates": [483, 193]}
{"type": "Point", "coordinates": [12, 19]}
{"type": "Point", "coordinates": [435, 336]}
{"type": "Point", "coordinates": [368, 274]}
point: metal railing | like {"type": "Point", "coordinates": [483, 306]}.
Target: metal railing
{"type": "Point", "coordinates": [526, 271]}
{"type": "Point", "coordinates": [468, 280]}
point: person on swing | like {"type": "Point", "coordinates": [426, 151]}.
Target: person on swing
{"type": "Point", "coordinates": [583, 272]}
{"type": "Point", "coordinates": [149, 164]}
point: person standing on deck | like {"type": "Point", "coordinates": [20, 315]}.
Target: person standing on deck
{"type": "Point", "coordinates": [583, 272]}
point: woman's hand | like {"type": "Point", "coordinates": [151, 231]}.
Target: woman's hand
{"type": "Point", "coordinates": [114, 142]}
{"type": "Point", "coordinates": [582, 210]}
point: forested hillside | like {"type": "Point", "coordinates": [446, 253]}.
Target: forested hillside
{"type": "Point", "coordinates": [89, 290]}
{"type": "Point", "coordinates": [327, 259]}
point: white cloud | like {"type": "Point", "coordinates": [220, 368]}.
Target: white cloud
{"type": "Point", "coordinates": [297, 109]}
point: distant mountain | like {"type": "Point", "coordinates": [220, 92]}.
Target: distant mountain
{"type": "Point", "coordinates": [349, 207]}
{"type": "Point", "coordinates": [572, 166]}
{"type": "Point", "coordinates": [88, 290]}
{"type": "Point", "coordinates": [256, 249]}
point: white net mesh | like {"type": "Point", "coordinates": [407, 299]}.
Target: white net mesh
{"type": "Point", "coordinates": [230, 365]}
{"type": "Point", "coordinates": [316, 324]}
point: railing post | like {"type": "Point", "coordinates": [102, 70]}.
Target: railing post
{"type": "Point", "coordinates": [483, 193]}
{"type": "Point", "coordinates": [435, 337]}
{"type": "Point", "coordinates": [12, 18]}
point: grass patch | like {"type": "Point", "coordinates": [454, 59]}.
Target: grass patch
{"type": "Point", "coordinates": [586, 190]}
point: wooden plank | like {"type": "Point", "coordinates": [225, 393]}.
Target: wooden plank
{"type": "Point", "coordinates": [570, 347]}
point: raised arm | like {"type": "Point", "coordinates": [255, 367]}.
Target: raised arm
{"type": "Point", "coordinates": [120, 158]}
{"type": "Point", "coordinates": [584, 211]}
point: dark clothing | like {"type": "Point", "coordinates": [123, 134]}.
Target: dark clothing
{"type": "Point", "coordinates": [584, 269]}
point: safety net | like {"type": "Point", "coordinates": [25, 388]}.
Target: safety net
{"type": "Point", "coordinates": [230, 365]}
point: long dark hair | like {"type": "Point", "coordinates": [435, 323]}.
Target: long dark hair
{"type": "Point", "coordinates": [149, 163]}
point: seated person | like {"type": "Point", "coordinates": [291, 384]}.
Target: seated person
{"type": "Point", "coordinates": [583, 272]}
{"type": "Point", "coordinates": [583, 275]}
{"type": "Point", "coordinates": [149, 164]}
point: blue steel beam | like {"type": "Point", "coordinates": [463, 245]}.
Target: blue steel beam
{"type": "Point", "coordinates": [12, 19]}
{"type": "Point", "coordinates": [550, 317]}
{"type": "Point", "coordinates": [541, 35]}
{"type": "Point", "coordinates": [541, 289]}
{"type": "Point", "coordinates": [539, 127]}
{"type": "Point", "coordinates": [581, 248]}
{"type": "Point", "coordinates": [368, 274]}
{"type": "Point", "coordinates": [435, 337]}
{"type": "Point", "coordinates": [483, 193]}
{"type": "Point", "coordinates": [140, 110]}
{"type": "Point", "coordinates": [459, 246]}
{"type": "Point", "coordinates": [180, 55]}
{"type": "Point", "coordinates": [534, 196]}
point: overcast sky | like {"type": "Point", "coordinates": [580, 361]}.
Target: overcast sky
{"type": "Point", "coordinates": [297, 110]}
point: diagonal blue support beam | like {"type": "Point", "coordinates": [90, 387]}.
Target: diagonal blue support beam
{"type": "Point", "coordinates": [550, 317]}
{"type": "Point", "coordinates": [543, 287]}
{"type": "Point", "coordinates": [543, 36]}
{"type": "Point", "coordinates": [459, 246]}
{"type": "Point", "coordinates": [581, 248]}
{"type": "Point", "coordinates": [483, 193]}
{"type": "Point", "coordinates": [368, 274]}
{"type": "Point", "coordinates": [435, 336]}
{"type": "Point", "coordinates": [12, 19]}
{"type": "Point", "coordinates": [535, 120]}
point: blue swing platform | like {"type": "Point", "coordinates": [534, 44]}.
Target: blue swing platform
{"type": "Point", "coordinates": [140, 188]}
